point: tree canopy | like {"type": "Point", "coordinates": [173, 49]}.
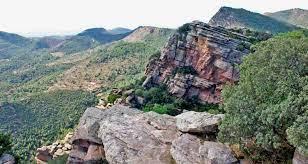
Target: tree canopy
{"type": "Point", "coordinates": [267, 112]}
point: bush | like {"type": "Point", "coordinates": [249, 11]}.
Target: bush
{"type": "Point", "coordinates": [184, 28]}
{"type": "Point", "coordinates": [5, 143]}
{"type": "Point", "coordinates": [162, 109]}
{"type": "Point", "coordinates": [112, 98]}
{"type": "Point", "coordinates": [266, 108]}
{"type": "Point", "coordinates": [185, 70]}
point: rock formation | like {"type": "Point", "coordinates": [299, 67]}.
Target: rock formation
{"type": "Point", "coordinates": [56, 149]}
{"type": "Point", "coordinates": [7, 159]}
{"type": "Point", "coordinates": [212, 53]}
{"type": "Point", "coordinates": [122, 134]}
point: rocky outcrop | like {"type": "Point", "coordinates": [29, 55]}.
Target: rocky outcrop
{"type": "Point", "coordinates": [210, 51]}
{"type": "Point", "coordinates": [56, 149]}
{"type": "Point", "coordinates": [121, 134]}
{"type": "Point", "coordinates": [7, 159]}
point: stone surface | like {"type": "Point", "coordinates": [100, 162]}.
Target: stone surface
{"type": "Point", "coordinates": [121, 134]}
{"type": "Point", "coordinates": [299, 158]}
{"type": "Point", "coordinates": [7, 159]}
{"type": "Point", "coordinates": [185, 149]}
{"type": "Point", "coordinates": [214, 152]}
{"type": "Point", "coordinates": [210, 51]}
{"type": "Point", "coordinates": [43, 155]}
{"type": "Point", "coordinates": [189, 149]}
{"type": "Point", "coordinates": [198, 122]}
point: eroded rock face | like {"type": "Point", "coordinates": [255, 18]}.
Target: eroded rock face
{"type": "Point", "coordinates": [196, 122]}
{"type": "Point", "coordinates": [211, 51]}
{"type": "Point", "coordinates": [122, 134]}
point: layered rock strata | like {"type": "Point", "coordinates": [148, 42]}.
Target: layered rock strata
{"type": "Point", "coordinates": [212, 52]}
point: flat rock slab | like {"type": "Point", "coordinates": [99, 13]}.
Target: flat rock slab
{"type": "Point", "coordinates": [198, 122]}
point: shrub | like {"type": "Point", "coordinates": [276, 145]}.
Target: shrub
{"type": "Point", "coordinates": [266, 108]}
{"type": "Point", "coordinates": [184, 28]}
{"type": "Point", "coordinates": [112, 98]}
{"type": "Point", "coordinates": [185, 70]}
{"type": "Point", "coordinates": [5, 143]}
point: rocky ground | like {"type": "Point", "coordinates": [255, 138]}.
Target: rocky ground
{"type": "Point", "coordinates": [58, 148]}
{"type": "Point", "coordinates": [122, 134]}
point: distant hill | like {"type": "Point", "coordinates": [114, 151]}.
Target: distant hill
{"type": "Point", "coordinates": [240, 18]}
{"type": "Point", "coordinates": [51, 41]}
{"type": "Point", "coordinates": [119, 30]}
{"type": "Point", "coordinates": [14, 39]}
{"type": "Point", "coordinates": [295, 16]}
{"type": "Point", "coordinates": [12, 44]}
{"type": "Point", "coordinates": [143, 33]}
{"type": "Point", "coordinates": [89, 39]}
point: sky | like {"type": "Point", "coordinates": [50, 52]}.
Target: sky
{"type": "Point", "coordinates": [56, 17]}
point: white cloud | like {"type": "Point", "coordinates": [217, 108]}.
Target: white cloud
{"type": "Point", "coordinates": [24, 16]}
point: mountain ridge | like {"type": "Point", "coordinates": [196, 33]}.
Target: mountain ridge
{"type": "Point", "coordinates": [241, 18]}
{"type": "Point", "coordinates": [296, 16]}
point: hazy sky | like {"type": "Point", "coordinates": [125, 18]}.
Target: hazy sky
{"type": "Point", "coordinates": [58, 16]}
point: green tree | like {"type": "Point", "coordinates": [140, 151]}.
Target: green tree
{"type": "Point", "coordinates": [265, 111]}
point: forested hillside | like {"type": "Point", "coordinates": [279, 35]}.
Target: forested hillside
{"type": "Point", "coordinates": [43, 93]}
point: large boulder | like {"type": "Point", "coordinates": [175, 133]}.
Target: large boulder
{"type": "Point", "coordinates": [198, 122]}
{"type": "Point", "coordinates": [43, 155]}
{"type": "Point", "coordinates": [7, 159]}
{"type": "Point", "coordinates": [126, 134]}
{"type": "Point", "coordinates": [189, 149]}
{"type": "Point", "coordinates": [122, 134]}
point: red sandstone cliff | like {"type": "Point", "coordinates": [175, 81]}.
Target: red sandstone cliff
{"type": "Point", "coordinates": [212, 52]}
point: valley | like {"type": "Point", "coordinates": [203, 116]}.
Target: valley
{"type": "Point", "coordinates": [240, 80]}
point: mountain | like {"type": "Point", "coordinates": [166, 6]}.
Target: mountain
{"type": "Point", "coordinates": [295, 16]}
{"type": "Point", "coordinates": [143, 33]}
{"type": "Point", "coordinates": [14, 39]}
{"type": "Point", "coordinates": [89, 39]}
{"type": "Point", "coordinates": [10, 42]}
{"type": "Point", "coordinates": [119, 30]}
{"type": "Point", "coordinates": [240, 18]}
{"type": "Point", "coordinates": [51, 41]}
